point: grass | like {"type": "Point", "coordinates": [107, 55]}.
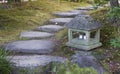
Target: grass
{"type": "Point", "coordinates": [28, 16]}
{"type": "Point", "coordinates": [5, 67]}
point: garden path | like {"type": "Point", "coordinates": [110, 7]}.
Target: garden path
{"type": "Point", "coordinates": [35, 47]}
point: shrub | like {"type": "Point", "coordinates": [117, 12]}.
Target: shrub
{"type": "Point", "coordinates": [115, 42]}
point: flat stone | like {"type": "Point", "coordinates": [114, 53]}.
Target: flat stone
{"type": "Point", "coordinates": [99, 7]}
{"type": "Point", "coordinates": [30, 46]}
{"type": "Point", "coordinates": [60, 21]}
{"type": "Point", "coordinates": [85, 59]}
{"type": "Point", "coordinates": [66, 14]}
{"type": "Point", "coordinates": [86, 8]}
{"type": "Point", "coordinates": [81, 12]}
{"type": "Point", "coordinates": [35, 35]}
{"type": "Point", "coordinates": [50, 28]}
{"type": "Point", "coordinates": [31, 61]}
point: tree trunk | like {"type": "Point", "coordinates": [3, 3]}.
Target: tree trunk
{"type": "Point", "coordinates": [114, 3]}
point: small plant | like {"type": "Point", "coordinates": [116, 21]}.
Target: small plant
{"type": "Point", "coordinates": [114, 12]}
{"type": "Point", "coordinates": [115, 42]}
{"type": "Point", "coordinates": [5, 67]}
{"type": "Point", "coordinates": [114, 16]}
{"type": "Point", "coordinates": [100, 2]}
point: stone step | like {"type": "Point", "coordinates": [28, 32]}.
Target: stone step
{"type": "Point", "coordinates": [86, 8]}
{"type": "Point", "coordinates": [35, 35]}
{"type": "Point", "coordinates": [30, 46]}
{"type": "Point", "coordinates": [81, 12]}
{"type": "Point", "coordinates": [29, 61]}
{"type": "Point", "coordinates": [60, 21]}
{"type": "Point", "coordinates": [66, 14]}
{"type": "Point", "coordinates": [49, 28]}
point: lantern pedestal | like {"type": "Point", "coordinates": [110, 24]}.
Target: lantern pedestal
{"type": "Point", "coordinates": [83, 47]}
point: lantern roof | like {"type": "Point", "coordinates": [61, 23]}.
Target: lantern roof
{"type": "Point", "coordinates": [84, 22]}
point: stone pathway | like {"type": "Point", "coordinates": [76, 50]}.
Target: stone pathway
{"type": "Point", "coordinates": [41, 48]}
{"type": "Point", "coordinates": [37, 45]}
{"type": "Point", "coordinates": [66, 14]}
{"type": "Point", "coordinates": [49, 28]}
{"type": "Point", "coordinates": [81, 12]}
{"type": "Point", "coordinates": [60, 21]}
{"type": "Point", "coordinates": [35, 35]}
{"type": "Point", "coordinates": [86, 8]}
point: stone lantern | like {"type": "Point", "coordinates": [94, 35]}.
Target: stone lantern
{"type": "Point", "coordinates": [84, 33]}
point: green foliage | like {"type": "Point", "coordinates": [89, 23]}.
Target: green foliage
{"type": "Point", "coordinates": [69, 68]}
{"type": "Point", "coordinates": [115, 42]}
{"type": "Point", "coordinates": [5, 67]}
{"type": "Point", "coordinates": [36, 70]}
{"type": "Point", "coordinates": [100, 2]}
{"type": "Point", "coordinates": [108, 32]}
{"type": "Point", "coordinates": [114, 12]}
{"type": "Point", "coordinates": [10, 1]}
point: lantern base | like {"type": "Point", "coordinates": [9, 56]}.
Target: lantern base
{"type": "Point", "coordinates": [84, 47]}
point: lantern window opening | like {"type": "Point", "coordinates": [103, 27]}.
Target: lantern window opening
{"type": "Point", "coordinates": [82, 35]}
{"type": "Point", "coordinates": [93, 34]}
{"type": "Point", "coordinates": [79, 35]}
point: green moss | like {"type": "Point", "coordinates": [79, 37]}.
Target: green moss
{"type": "Point", "coordinates": [69, 68]}
{"type": "Point", "coordinates": [36, 70]}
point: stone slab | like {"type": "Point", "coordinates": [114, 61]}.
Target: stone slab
{"type": "Point", "coordinates": [35, 35]}
{"type": "Point", "coordinates": [66, 14]}
{"type": "Point", "coordinates": [30, 61]}
{"type": "Point", "coordinates": [30, 46]}
{"type": "Point", "coordinates": [49, 28]}
{"type": "Point", "coordinates": [86, 8]}
{"type": "Point", "coordinates": [60, 21]}
{"type": "Point", "coordinates": [85, 59]}
{"type": "Point", "coordinates": [81, 12]}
